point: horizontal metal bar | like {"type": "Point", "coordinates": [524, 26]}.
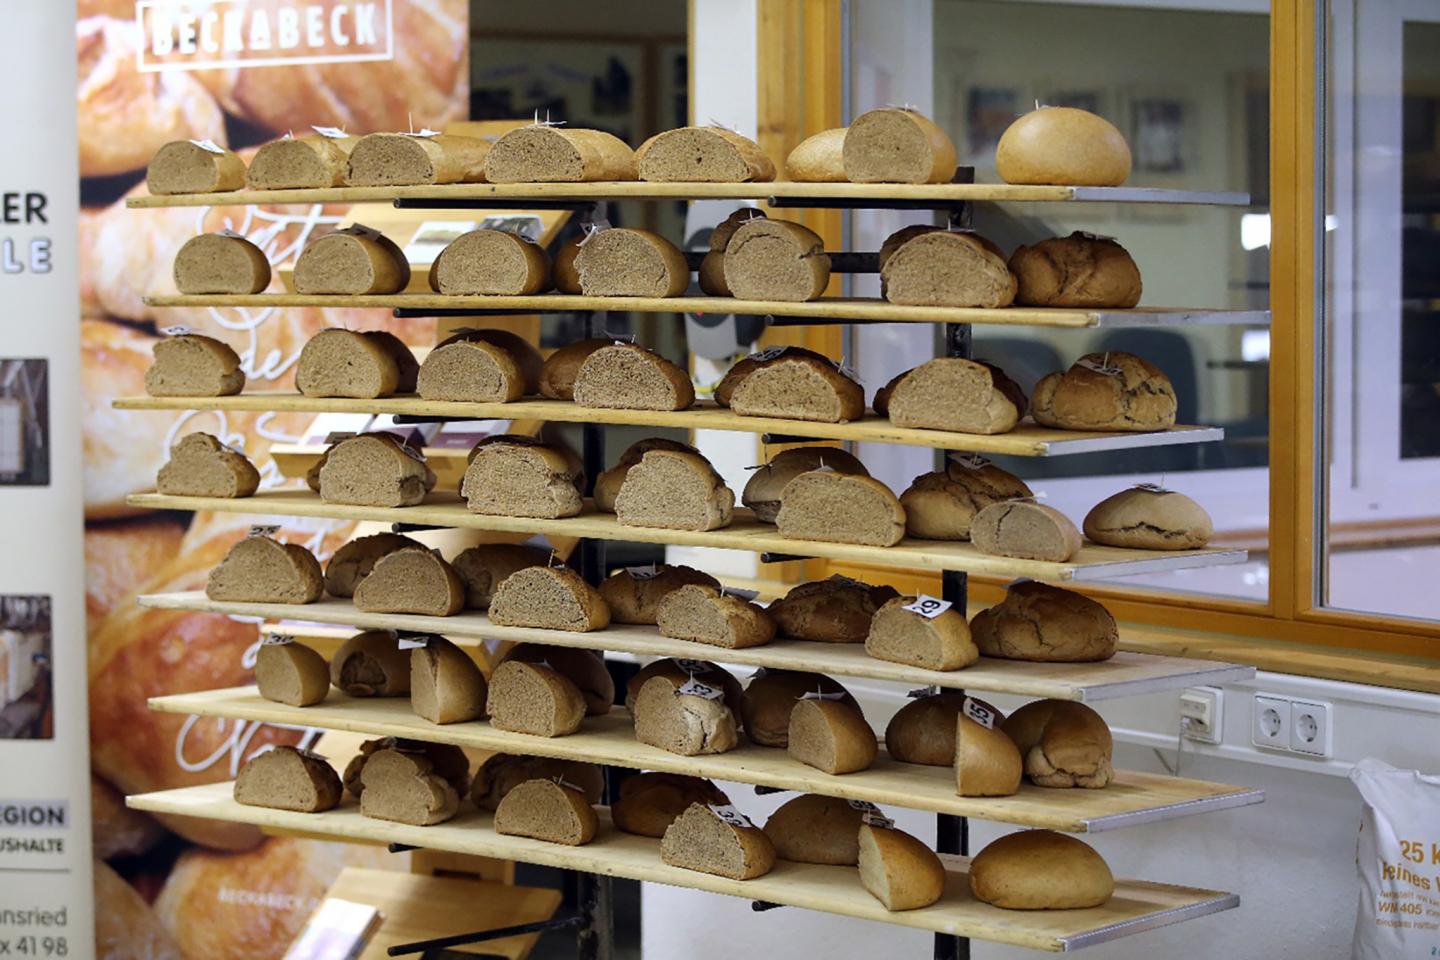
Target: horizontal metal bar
{"type": "Point", "coordinates": [761, 790]}
{"type": "Point", "coordinates": [783, 557]}
{"type": "Point", "coordinates": [490, 203]}
{"type": "Point", "coordinates": [833, 203]}
{"type": "Point", "coordinates": [483, 936]}
{"type": "Point", "coordinates": [420, 313]}
{"type": "Point", "coordinates": [401, 848]}
{"type": "Point", "coordinates": [790, 438]}
{"type": "Point", "coordinates": [415, 527]}
{"type": "Point", "coordinates": [760, 906]}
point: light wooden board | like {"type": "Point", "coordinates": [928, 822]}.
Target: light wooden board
{"type": "Point", "coordinates": [1133, 799]}
{"type": "Point", "coordinates": [1136, 906]}
{"type": "Point", "coordinates": [826, 308]}
{"type": "Point", "coordinates": [849, 193]}
{"type": "Point", "coordinates": [1124, 675]}
{"type": "Point", "coordinates": [1027, 440]}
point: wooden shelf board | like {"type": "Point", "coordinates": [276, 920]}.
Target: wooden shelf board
{"type": "Point", "coordinates": [849, 193]}
{"type": "Point", "coordinates": [745, 533]}
{"type": "Point", "coordinates": [1137, 905]}
{"type": "Point", "coordinates": [1124, 675]}
{"type": "Point", "coordinates": [1027, 440]}
{"type": "Point", "coordinates": [1133, 799]}
{"type": "Point", "coordinates": [826, 308]}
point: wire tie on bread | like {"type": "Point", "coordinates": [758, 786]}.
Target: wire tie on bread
{"type": "Point", "coordinates": [910, 107]}
{"type": "Point", "coordinates": [227, 232]}
{"type": "Point", "coordinates": [209, 146]}
{"type": "Point", "coordinates": [560, 779]}
{"type": "Point", "coordinates": [819, 694]}
{"type": "Point", "coordinates": [722, 126]}
{"type": "Point", "coordinates": [311, 754]}
{"type": "Point", "coordinates": [969, 461]}
{"type": "Point", "coordinates": [547, 122]}
{"type": "Point", "coordinates": [592, 227]}
{"type": "Point", "coordinates": [1096, 236]}
{"type": "Point", "coordinates": [1152, 487]}
{"type": "Point", "coordinates": [331, 133]}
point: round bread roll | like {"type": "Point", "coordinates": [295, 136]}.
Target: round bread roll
{"type": "Point", "coordinates": [772, 694]}
{"type": "Point", "coordinates": [941, 505]}
{"type": "Point", "coordinates": [1063, 145]}
{"type": "Point", "coordinates": [1040, 870]}
{"type": "Point", "coordinates": [1082, 271]}
{"type": "Point", "coordinates": [815, 829]}
{"type": "Point", "coordinates": [650, 802]}
{"type": "Point", "coordinates": [1149, 518]}
{"type": "Point", "coordinates": [634, 593]}
{"type": "Point", "coordinates": [762, 490]}
{"type": "Point", "coordinates": [819, 158]}
{"type": "Point", "coordinates": [701, 670]}
{"type": "Point", "coordinates": [1064, 744]}
{"type": "Point", "coordinates": [1047, 624]}
{"type": "Point", "coordinates": [1106, 391]}
{"type": "Point", "coordinates": [834, 610]}
{"type": "Point", "coordinates": [923, 731]}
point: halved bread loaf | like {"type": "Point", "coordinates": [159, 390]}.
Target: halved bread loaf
{"type": "Point", "coordinates": [680, 671]}
{"type": "Point", "coordinates": [193, 365]}
{"type": "Point", "coordinates": [621, 262]}
{"type": "Point", "coordinates": [354, 261]}
{"type": "Point", "coordinates": [224, 263]}
{"type": "Point", "coordinates": [772, 695]}
{"type": "Point", "coordinates": [608, 484]}
{"type": "Point", "coordinates": [718, 840]}
{"type": "Point", "coordinates": [650, 802]}
{"type": "Point", "coordinates": [185, 166]}
{"type": "Point", "coordinates": [311, 161]}
{"type": "Point", "coordinates": [446, 760]}
{"type": "Point", "coordinates": [897, 145]}
{"type": "Point", "coordinates": [1040, 870]}
{"type": "Point", "coordinates": [676, 491]}
{"type": "Point", "coordinates": [1021, 528]}
{"type": "Point", "coordinates": [407, 159]}
{"type": "Point", "coordinates": [952, 393]}
{"type": "Point", "coordinates": [291, 673]}
{"type": "Point", "coordinates": [549, 810]}
{"type": "Point", "coordinates": [834, 610]}
{"type": "Point", "coordinates": [503, 772]}
{"type": "Point", "coordinates": [702, 155]}
{"type": "Point", "coordinates": [1037, 621]}
{"type": "Point", "coordinates": [557, 375]}
{"type": "Point", "coordinates": [372, 470]}
{"type": "Point", "coordinates": [351, 363]}
{"type": "Point", "coordinates": [404, 787]}
{"type": "Point", "coordinates": [584, 668]}
{"type": "Point", "coordinates": [835, 507]}
{"type": "Point", "coordinates": [899, 238]}
{"type": "Point", "coordinates": [763, 489]}
{"type": "Point", "coordinates": [819, 158]}
{"type": "Point", "coordinates": [724, 230]}
{"type": "Point", "coordinates": [539, 153]}
{"type": "Point", "coordinates": [1106, 391]}
{"type": "Point", "coordinates": [746, 365]}
{"type": "Point", "coordinates": [923, 731]}
{"type": "Point", "coordinates": [1063, 145]}
{"type": "Point", "coordinates": [796, 386]}
{"type": "Point", "coordinates": [685, 716]}
{"type": "Point", "coordinates": [1149, 519]}
{"type": "Point", "coordinates": [284, 778]}
{"type": "Point", "coordinates": [483, 567]}
{"type": "Point", "coordinates": [941, 642]}
{"type": "Point", "coordinates": [711, 274]}
{"type": "Point", "coordinates": [830, 735]}
{"type": "Point", "coordinates": [261, 570]}
{"type": "Point", "coordinates": [815, 829]}
{"type": "Point", "coordinates": [521, 479]}
{"type": "Point", "coordinates": [552, 598]}
{"type": "Point", "coordinates": [1080, 271]}
{"type": "Point", "coordinates": [948, 268]}
{"type": "Point", "coordinates": [201, 466]}
{"type": "Point", "coordinates": [446, 686]}
{"type": "Point", "coordinates": [1063, 743]}
{"type": "Point", "coordinates": [354, 561]}
{"type": "Point", "coordinates": [411, 580]}
{"type": "Point", "coordinates": [708, 614]}
{"type": "Point", "coordinates": [491, 262]}
{"type": "Point", "coordinates": [941, 505]}
{"type": "Point", "coordinates": [987, 762]}
{"type": "Point", "coordinates": [535, 699]}
{"type": "Point", "coordinates": [776, 260]}
{"type": "Point", "coordinates": [626, 376]}
{"type": "Point", "coordinates": [898, 870]}
{"type": "Point", "coordinates": [480, 366]}
{"type": "Point", "coordinates": [371, 664]}
{"type": "Point", "coordinates": [633, 594]}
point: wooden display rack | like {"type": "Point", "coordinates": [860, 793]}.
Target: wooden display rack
{"type": "Point", "coordinates": [1134, 798]}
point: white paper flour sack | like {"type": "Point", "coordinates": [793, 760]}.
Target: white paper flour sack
{"type": "Point", "coordinates": [1399, 864]}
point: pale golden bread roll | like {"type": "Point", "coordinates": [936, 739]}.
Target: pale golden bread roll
{"type": "Point", "coordinates": [311, 161]}
{"type": "Point", "coordinates": [407, 159]}
{"type": "Point", "coordinates": [355, 261]}
{"type": "Point", "coordinates": [539, 153]}
{"type": "Point", "coordinates": [815, 829]}
{"type": "Point", "coordinates": [191, 166]}
{"type": "Point", "coordinates": [834, 610]}
{"type": "Point", "coordinates": [710, 154]}
{"type": "Point", "coordinates": [285, 778]}
{"type": "Point", "coordinates": [987, 762]}
{"type": "Point", "coordinates": [830, 735]}
{"type": "Point", "coordinates": [928, 640]}
{"type": "Point", "coordinates": [941, 505]}
{"type": "Point", "coordinates": [261, 570]}
{"type": "Point", "coordinates": [840, 508]}
{"type": "Point", "coordinates": [1063, 145]}
{"type": "Point", "coordinates": [221, 263]}
{"type": "Point", "coordinates": [707, 614]}
{"type": "Point", "coordinates": [624, 262]}
{"type": "Point", "coordinates": [899, 870]}
{"type": "Point", "coordinates": [763, 489]}
{"type": "Point", "coordinates": [1149, 518]}
{"type": "Point", "coordinates": [1040, 870]}
{"type": "Point", "coordinates": [1106, 391]}
{"type": "Point", "coordinates": [291, 673]}
{"type": "Point", "coordinates": [674, 490]}
{"type": "Point", "coordinates": [818, 158]}
{"type": "Point", "coordinates": [650, 802]}
{"type": "Point", "coordinates": [1081, 271]}
{"type": "Point", "coordinates": [371, 664]}
{"type": "Point", "coordinates": [776, 260]}
{"type": "Point", "coordinates": [1063, 743]}
{"type": "Point", "coordinates": [719, 840]}
{"type": "Point", "coordinates": [897, 145]}
{"type": "Point", "coordinates": [1024, 529]}
{"type": "Point", "coordinates": [491, 263]}
{"type": "Point", "coordinates": [634, 593]}
{"type": "Point", "coordinates": [1037, 621]}
{"type": "Point", "coordinates": [193, 365]}
{"type": "Point", "coordinates": [201, 466]}
{"type": "Point", "coordinates": [549, 810]}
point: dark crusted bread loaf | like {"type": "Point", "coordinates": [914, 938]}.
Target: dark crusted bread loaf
{"type": "Point", "coordinates": [725, 229]}
{"type": "Point", "coordinates": [608, 484]}
{"type": "Point", "coordinates": [1064, 743]}
{"type": "Point", "coordinates": [549, 810]}
{"type": "Point", "coordinates": [194, 365]}
{"type": "Point", "coordinates": [221, 263]}
{"type": "Point", "coordinates": [763, 489]}
{"type": "Point", "coordinates": [557, 376]}
{"type": "Point", "coordinates": [1024, 529]}
{"type": "Point", "coordinates": [201, 466]}
{"type": "Point", "coordinates": [952, 393]}
{"type": "Point", "coordinates": [374, 470]}
{"type": "Point", "coordinates": [923, 731]}
{"type": "Point", "coordinates": [634, 593]}
{"type": "Point", "coordinates": [552, 598]}
{"type": "Point", "coordinates": [811, 828]}
{"type": "Point", "coordinates": [940, 642]}
{"type": "Point", "coordinates": [539, 153]}
{"type": "Point", "coordinates": [948, 268]}
{"type": "Point", "coordinates": [897, 145]}
{"type": "Point", "coordinates": [411, 580]}
{"type": "Point", "coordinates": [446, 685]}
{"type": "Point", "coordinates": [284, 778]}
{"type": "Point", "coordinates": [481, 568]}
{"type": "Point", "coordinates": [835, 610]}
{"type": "Point", "coordinates": [535, 699]}
{"type": "Point", "coordinates": [194, 166]}
{"type": "Point", "coordinates": [354, 561]}
{"type": "Point", "coordinates": [354, 261]}
{"type": "Point", "coordinates": [1106, 391]}
{"type": "Point", "coordinates": [710, 154]}
{"type": "Point", "coordinates": [836, 507]}
{"type": "Point", "coordinates": [480, 366]}
{"type": "Point", "coordinates": [798, 386]}
{"type": "Point", "coordinates": [491, 263]}
{"type": "Point", "coordinates": [626, 376]}
{"type": "Point", "coordinates": [650, 802]}
{"type": "Point", "coordinates": [707, 614]}
{"type": "Point", "coordinates": [521, 479]}
{"type": "Point", "coordinates": [311, 161]}
{"type": "Point", "coordinates": [409, 159]}
{"type": "Point", "coordinates": [349, 363]}
{"type": "Point", "coordinates": [258, 569]}
{"type": "Point", "coordinates": [1149, 518]}
{"type": "Point", "coordinates": [503, 772]}
{"type": "Point", "coordinates": [674, 490]}
{"type": "Point", "coordinates": [371, 664]}
{"type": "Point", "coordinates": [622, 262]}
{"type": "Point", "coordinates": [941, 505]}
{"type": "Point", "coordinates": [776, 260]}
{"type": "Point", "coordinates": [584, 668]}
{"type": "Point", "coordinates": [1037, 621]}
{"type": "Point", "coordinates": [772, 694]}
{"type": "Point", "coordinates": [1081, 271]}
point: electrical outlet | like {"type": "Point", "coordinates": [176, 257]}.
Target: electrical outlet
{"type": "Point", "coordinates": [1203, 707]}
{"type": "Point", "coordinates": [1310, 728]}
{"type": "Point", "coordinates": [1270, 722]}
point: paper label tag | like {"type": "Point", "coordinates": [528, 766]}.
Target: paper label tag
{"type": "Point", "coordinates": [928, 607]}
{"type": "Point", "coordinates": [1098, 367]}
{"type": "Point", "coordinates": [425, 132]}
{"type": "Point", "coordinates": [878, 820]}
{"type": "Point", "coordinates": [335, 436]}
{"type": "Point", "coordinates": [731, 815]}
{"type": "Point", "coordinates": [209, 146]}
{"type": "Point", "coordinates": [412, 641]}
{"type": "Point", "coordinates": [969, 461]}
{"type": "Point", "coordinates": [1095, 236]}
{"type": "Point", "coordinates": [1152, 488]}
{"type": "Point", "coordinates": [920, 692]}
{"type": "Point", "coordinates": [817, 695]}
{"type": "Point", "coordinates": [694, 688]}
{"type": "Point", "coordinates": [644, 573]}
{"type": "Point", "coordinates": [864, 806]}
{"type": "Point", "coordinates": [743, 594]}
{"type": "Point", "coordinates": [178, 330]}
{"type": "Point", "coordinates": [693, 667]}
{"type": "Point", "coordinates": [264, 530]}
{"type": "Point", "coordinates": [276, 640]}
{"type": "Point", "coordinates": [768, 354]}
{"type": "Point", "coordinates": [331, 133]}
{"type": "Point", "coordinates": [980, 713]}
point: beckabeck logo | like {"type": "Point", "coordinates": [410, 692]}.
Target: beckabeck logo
{"type": "Point", "coordinates": [223, 34]}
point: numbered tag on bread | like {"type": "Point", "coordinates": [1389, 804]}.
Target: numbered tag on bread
{"type": "Point", "coordinates": [693, 667]}
{"type": "Point", "coordinates": [177, 330]}
{"type": "Point", "coordinates": [979, 712]}
{"type": "Point", "coordinates": [821, 695]}
{"type": "Point", "coordinates": [928, 607]}
{"type": "Point", "coordinates": [730, 815]}
{"type": "Point", "coordinates": [694, 688]}
{"type": "Point", "coordinates": [412, 641]}
{"type": "Point", "coordinates": [277, 640]}
{"type": "Point", "coordinates": [209, 146]}
{"type": "Point", "coordinates": [1152, 488]}
{"type": "Point", "coordinates": [878, 819]}
{"type": "Point", "coordinates": [864, 806]}
{"type": "Point", "coordinates": [1097, 367]}
{"type": "Point", "coordinates": [920, 692]}
{"type": "Point", "coordinates": [264, 530]}
{"type": "Point", "coordinates": [331, 133]}
{"type": "Point", "coordinates": [643, 573]}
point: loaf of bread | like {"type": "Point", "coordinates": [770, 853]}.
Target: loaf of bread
{"type": "Point", "coordinates": [819, 158]}
{"type": "Point", "coordinates": [834, 610]}
{"type": "Point", "coordinates": [447, 760]}
{"type": "Point", "coordinates": [535, 699]}
{"type": "Point", "coordinates": [746, 365]}
{"type": "Point", "coordinates": [776, 260]}
{"type": "Point", "coordinates": [194, 166]}
{"type": "Point", "coordinates": [710, 154]}
{"type": "Point", "coordinates": [446, 686]}
{"type": "Point", "coordinates": [552, 598]}
{"type": "Point", "coordinates": [707, 614]}
{"type": "Point", "coordinates": [284, 778]}
{"type": "Point", "coordinates": [480, 366]}
{"type": "Point", "coordinates": [626, 376]}
{"type": "Point", "coordinates": [354, 561]}
{"type": "Point", "coordinates": [258, 569]}
{"type": "Point", "coordinates": [987, 762]}
{"type": "Point", "coordinates": [899, 238]}
{"type": "Point", "coordinates": [830, 735]}
{"type": "Point", "coordinates": [372, 470]}
{"type": "Point", "coordinates": [1037, 621]}
{"type": "Point", "coordinates": [221, 263]}
{"type": "Point", "coordinates": [409, 159]}
{"type": "Point", "coordinates": [717, 839]}
{"type": "Point", "coordinates": [1063, 743]}
{"type": "Point", "coordinates": [897, 869]}
{"type": "Point", "coordinates": [201, 466]}
{"type": "Point", "coordinates": [584, 668]}
{"type": "Point", "coordinates": [681, 670]}
{"type": "Point", "coordinates": [815, 829]}
{"type": "Point", "coordinates": [763, 489]}
{"type": "Point", "coordinates": [725, 229]}
{"type": "Point", "coordinates": [952, 393]}
{"type": "Point", "coordinates": [350, 363]}
{"type": "Point", "coordinates": [562, 269]}
{"type": "Point", "coordinates": [836, 507]}
{"type": "Point", "coordinates": [1149, 518]}
{"type": "Point", "coordinates": [371, 664]}
{"type": "Point", "coordinates": [311, 161]}
{"type": "Point", "coordinates": [941, 505]}
{"type": "Point", "coordinates": [948, 268]}
{"type": "Point", "coordinates": [1106, 391]}
{"type": "Point", "coordinates": [539, 153]}
{"type": "Point", "coordinates": [897, 145]}
{"type": "Point", "coordinates": [798, 386]}
{"type": "Point", "coordinates": [503, 772]}
{"type": "Point", "coordinates": [403, 787]}
{"type": "Point", "coordinates": [1081, 271]}
{"type": "Point", "coordinates": [551, 810]}
{"type": "Point", "coordinates": [193, 365]}
{"type": "Point", "coordinates": [1040, 870]}
{"type": "Point", "coordinates": [355, 261]}
{"type": "Point", "coordinates": [923, 731]}
{"type": "Point", "coordinates": [685, 716]}
{"type": "Point", "coordinates": [608, 484]}
{"type": "Point", "coordinates": [1024, 529]}
{"type": "Point", "coordinates": [521, 479]}
{"type": "Point", "coordinates": [650, 802]}
{"type": "Point", "coordinates": [291, 673]}
{"type": "Point", "coordinates": [557, 376]}
{"type": "Point", "coordinates": [491, 263]}
{"type": "Point", "coordinates": [621, 262]}
{"type": "Point", "coordinates": [772, 694]}
{"type": "Point", "coordinates": [931, 641]}
{"type": "Point", "coordinates": [711, 274]}
{"type": "Point", "coordinates": [676, 491]}
{"type": "Point", "coordinates": [481, 568]}
{"type": "Point", "coordinates": [1063, 145]}
{"type": "Point", "coordinates": [634, 593]}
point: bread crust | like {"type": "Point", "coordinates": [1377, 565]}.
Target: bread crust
{"type": "Point", "coordinates": [371, 664]}
{"type": "Point", "coordinates": [507, 605]}
{"type": "Point", "coordinates": [818, 158]}
{"type": "Point", "coordinates": [327, 160]}
{"type": "Point", "coordinates": [446, 685]}
{"type": "Point", "coordinates": [447, 276]}
{"type": "Point", "coordinates": [923, 731]}
{"type": "Point", "coordinates": [636, 503]}
{"type": "Point", "coordinates": [222, 378]}
{"type": "Point", "coordinates": [557, 375]}
{"type": "Point", "coordinates": [1063, 743]}
{"type": "Point", "coordinates": [682, 723]}
{"type": "Point", "coordinates": [701, 670]}
{"type": "Point", "coordinates": [439, 159]}
{"type": "Point", "coordinates": [959, 257]}
{"type": "Point", "coordinates": [756, 855]}
{"type": "Point", "coordinates": [1126, 393]}
{"type": "Point", "coordinates": [987, 762]}
{"type": "Point", "coordinates": [403, 787]}
{"type": "Point", "coordinates": [593, 155]}
{"type": "Point", "coordinates": [353, 562]}
{"type": "Point", "coordinates": [953, 393]}
{"type": "Point", "coordinates": [759, 245]}
{"type": "Point", "coordinates": [502, 772]}
{"type": "Point", "coordinates": [205, 452]}
{"type": "Point", "coordinates": [835, 610]}
{"type": "Point", "coordinates": [590, 388]}
{"type": "Point", "coordinates": [388, 270]}
{"type": "Point", "coordinates": [1044, 623]}
{"type": "Point", "coordinates": [763, 489]}
{"type": "Point", "coordinates": [633, 594]}
{"type": "Point", "coordinates": [898, 870]}
{"type": "Point", "coordinates": [608, 484]}
{"type": "Point", "coordinates": [482, 568]}
{"type": "Point", "coordinates": [584, 668]}
{"type": "Point", "coordinates": [1062, 145]}
{"type": "Point", "coordinates": [1080, 271]}
{"type": "Point", "coordinates": [291, 673]}
{"type": "Point", "coordinates": [831, 735]}
{"type": "Point", "coordinates": [942, 504]}
{"type": "Point", "coordinates": [1040, 870]}
{"type": "Point", "coordinates": [650, 802]}
{"type": "Point", "coordinates": [1148, 519]}
{"type": "Point", "coordinates": [947, 644]}
{"type": "Point", "coordinates": [514, 361]}
{"type": "Point", "coordinates": [771, 696]}
{"type": "Point", "coordinates": [195, 273]}
{"type": "Point", "coordinates": [811, 828]}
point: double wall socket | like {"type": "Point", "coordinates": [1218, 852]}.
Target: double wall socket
{"type": "Point", "coordinates": [1290, 725]}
